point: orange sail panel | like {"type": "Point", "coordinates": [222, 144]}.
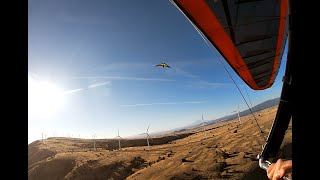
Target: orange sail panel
{"type": "Point", "coordinates": [249, 34]}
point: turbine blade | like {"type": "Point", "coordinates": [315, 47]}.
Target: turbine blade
{"type": "Point", "coordinates": [148, 128]}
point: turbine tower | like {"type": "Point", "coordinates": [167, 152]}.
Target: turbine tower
{"type": "Point", "coordinates": [237, 111]}
{"type": "Point", "coordinates": [204, 127]}
{"type": "Point", "coordinates": [239, 115]}
{"type": "Point", "coordinates": [148, 136]}
{"type": "Point", "coordinates": [94, 142]}
{"type": "Point", "coordinates": [119, 138]}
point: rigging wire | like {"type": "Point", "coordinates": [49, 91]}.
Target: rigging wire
{"type": "Point", "coordinates": [206, 40]}
{"type": "Point", "coordinates": [248, 96]}
{"type": "Point", "coordinates": [212, 49]}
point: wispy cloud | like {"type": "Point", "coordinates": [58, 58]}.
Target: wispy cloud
{"type": "Point", "coordinates": [122, 66]}
{"type": "Point", "coordinates": [123, 78]}
{"type": "Point", "coordinates": [68, 17]}
{"type": "Point", "coordinates": [89, 87]}
{"type": "Point", "coordinates": [98, 84]}
{"type": "Point", "coordinates": [177, 69]}
{"type": "Point", "coordinates": [72, 91]}
{"type": "Point", "coordinates": [180, 66]}
{"type": "Point", "coordinates": [166, 103]}
{"type": "Point", "coordinates": [181, 72]}
{"type": "Point", "coordinates": [205, 84]}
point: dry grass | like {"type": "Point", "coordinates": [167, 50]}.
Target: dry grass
{"type": "Point", "coordinates": [228, 152]}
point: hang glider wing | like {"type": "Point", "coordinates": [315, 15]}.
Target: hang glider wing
{"type": "Point", "coordinates": [249, 34]}
{"type": "Point", "coordinates": [163, 65]}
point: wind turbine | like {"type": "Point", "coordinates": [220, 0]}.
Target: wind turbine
{"type": "Point", "coordinates": [237, 111]}
{"type": "Point", "coordinates": [94, 142]}
{"type": "Point", "coordinates": [119, 138]}
{"type": "Point", "coordinates": [43, 141]}
{"type": "Point", "coordinates": [148, 136]}
{"type": "Point", "coordinates": [204, 127]}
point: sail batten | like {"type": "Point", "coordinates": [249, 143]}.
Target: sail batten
{"type": "Point", "coordinates": [244, 32]}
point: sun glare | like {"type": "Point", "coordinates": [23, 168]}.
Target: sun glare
{"type": "Point", "coordinates": [44, 98]}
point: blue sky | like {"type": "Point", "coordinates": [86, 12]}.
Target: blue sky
{"type": "Point", "coordinates": [91, 70]}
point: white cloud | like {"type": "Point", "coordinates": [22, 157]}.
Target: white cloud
{"type": "Point", "coordinates": [89, 87]}
{"type": "Point", "coordinates": [124, 78]}
{"type": "Point", "coordinates": [166, 103]}
{"type": "Point", "coordinates": [205, 84]}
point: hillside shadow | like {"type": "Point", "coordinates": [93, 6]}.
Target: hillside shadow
{"type": "Point", "coordinates": [256, 173]}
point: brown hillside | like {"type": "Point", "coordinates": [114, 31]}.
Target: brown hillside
{"type": "Point", "coordinates": [228, 152]}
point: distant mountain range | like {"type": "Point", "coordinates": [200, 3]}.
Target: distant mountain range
{"type": "Point", "coordinates": [258, 107]}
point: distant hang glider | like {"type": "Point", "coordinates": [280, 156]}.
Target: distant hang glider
{"type": "Point", "coordinates": [163, 65]}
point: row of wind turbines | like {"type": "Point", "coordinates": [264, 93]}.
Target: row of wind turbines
{"type": "Point", "coordinates": [146, 133]}
{"type": "Point", "coordinates": [203, 124]}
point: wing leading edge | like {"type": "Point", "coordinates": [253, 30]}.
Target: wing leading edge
{"type": "Point", "coordinates": [249, 34]}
